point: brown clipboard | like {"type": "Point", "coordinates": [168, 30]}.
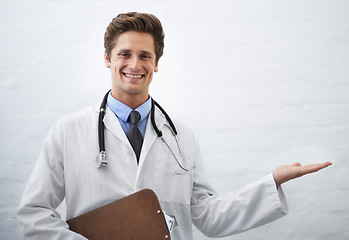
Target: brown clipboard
{"type": "Point", "coordinates": [135, 217]}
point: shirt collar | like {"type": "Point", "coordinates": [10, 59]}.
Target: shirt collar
{"type": "Point", "coordinates": [122, 111]}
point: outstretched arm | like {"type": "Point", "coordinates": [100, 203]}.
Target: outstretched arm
{"type": "Point", "coordinates": [288, 172]}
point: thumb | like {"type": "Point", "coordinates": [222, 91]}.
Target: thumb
{"type": "Point", "coordinates": [296, 164]}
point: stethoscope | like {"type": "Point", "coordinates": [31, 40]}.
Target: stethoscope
{"type": "Point", "coordinates": [102, 161]}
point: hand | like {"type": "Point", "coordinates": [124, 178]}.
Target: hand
{"type": "Point", "coordinates": [285, 173]}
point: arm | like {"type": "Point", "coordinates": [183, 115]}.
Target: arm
{"type": "Point", "coordinates": [233, 212]}
{"type": "Point", "coordinates": [44, 192]}
{"type": "Point", "coordinates": [254, 205]}
{"type": "Point", "coordinates": [285, 173]}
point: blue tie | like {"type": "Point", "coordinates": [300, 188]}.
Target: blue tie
{"type": "Point", "coordinates": [134, 135]}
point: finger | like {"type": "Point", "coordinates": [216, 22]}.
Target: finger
{"type": "Point", "coordinates": [315, 167]}
{"type": "Point", "coordinates": [322, 165]}
{"type": "Point", "coordinates": [326, 164]}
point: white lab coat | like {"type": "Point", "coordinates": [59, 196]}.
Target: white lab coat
{"type": "Point", "coordinates": [66, 169]}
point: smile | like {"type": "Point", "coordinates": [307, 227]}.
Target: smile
{"type": "Point", "coordinates": [135, 76]}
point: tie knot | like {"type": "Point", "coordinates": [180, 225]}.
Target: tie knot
{"type": "Point", "coordinates": [134, 117]}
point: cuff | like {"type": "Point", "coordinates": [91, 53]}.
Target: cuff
{"type": "Point", "coordinates": [279, 195]}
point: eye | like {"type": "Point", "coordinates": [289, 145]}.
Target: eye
{"type": "Point", "coordinates": [124, 55]}
{"type": "Point", "coordinates": [145, 56]}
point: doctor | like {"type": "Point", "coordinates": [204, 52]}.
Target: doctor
{"type": "Point", "coordinates": [66, 168]}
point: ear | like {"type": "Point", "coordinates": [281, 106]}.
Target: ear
{"type": "Point", "coordinates": [156, 69]}
{"type": "Point", "coordinates": [106, 60]}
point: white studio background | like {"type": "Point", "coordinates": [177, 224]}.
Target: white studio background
{"type": "Point", "coordinates": [262, 83]}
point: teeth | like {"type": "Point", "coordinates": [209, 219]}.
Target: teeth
{"type": "Point", "coordinates": [133, 76]}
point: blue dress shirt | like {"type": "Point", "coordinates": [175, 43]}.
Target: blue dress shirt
{"type": "Point", "coordinates": [122, 112]}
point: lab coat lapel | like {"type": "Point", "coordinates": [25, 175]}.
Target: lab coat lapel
{"type": "Point", "coordinates": [112, 123]}
{"type": "Point", "coordinates": [150, 135]}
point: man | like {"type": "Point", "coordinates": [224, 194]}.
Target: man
{"type": "Point", "coordinates": [66, 167]}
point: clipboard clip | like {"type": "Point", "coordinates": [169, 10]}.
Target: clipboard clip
{"type": "Point", "coordinates": [171, 221]}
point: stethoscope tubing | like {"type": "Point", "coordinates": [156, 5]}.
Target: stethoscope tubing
{"type": "Point", "coordinates": [101, 161]}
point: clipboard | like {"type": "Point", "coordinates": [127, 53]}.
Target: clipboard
{"type": "Point", "coordinates": [135, 217]}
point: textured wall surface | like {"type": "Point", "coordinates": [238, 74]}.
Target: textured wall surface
{"type": "Point", "coordinates": [262, 83]}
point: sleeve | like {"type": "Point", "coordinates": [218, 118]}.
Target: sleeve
{"type": "Point", "coordinates": [44, 192]}
{"type": "Point", "coordinates": [223, 215]}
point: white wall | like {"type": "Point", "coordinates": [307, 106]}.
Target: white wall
{"type": "Point", "coordinates": [262, 83]}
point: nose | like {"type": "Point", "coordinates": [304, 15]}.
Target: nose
{"type": "Point", "coordinates": [134, 63]}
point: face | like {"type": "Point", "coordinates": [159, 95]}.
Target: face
{"type": "Point", "coordinates": [132, 64]}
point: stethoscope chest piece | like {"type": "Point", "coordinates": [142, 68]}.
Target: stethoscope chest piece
{"type": "Point", "coordinates": [101, 160]}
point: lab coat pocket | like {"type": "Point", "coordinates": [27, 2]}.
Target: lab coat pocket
{"type": "Point", "coordinates": [172, 184]}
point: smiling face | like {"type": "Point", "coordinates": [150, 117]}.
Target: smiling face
{"type": "Point", "coordinates": [132, 64]}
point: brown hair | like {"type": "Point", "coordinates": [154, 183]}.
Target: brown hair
{"type": "Point", "coordinates": [139, 22]}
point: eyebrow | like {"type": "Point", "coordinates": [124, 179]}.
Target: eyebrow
{"type": "Point", "coordinates": [128, 51]}
{"type": "Point", "coordinates": [124, 50]}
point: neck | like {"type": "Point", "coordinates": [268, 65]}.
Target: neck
{"type": "Point", "coordinates": [131, 100]}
